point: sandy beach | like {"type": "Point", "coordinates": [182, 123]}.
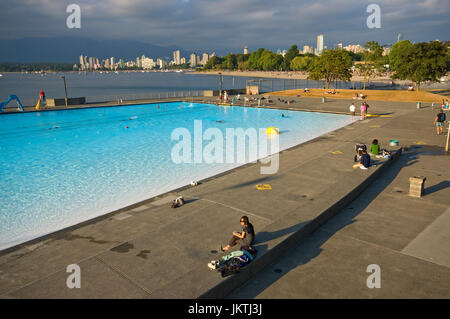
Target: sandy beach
{"type": "Point", "coordinates": [295, 75]}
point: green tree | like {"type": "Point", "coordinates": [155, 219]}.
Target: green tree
{"type": "Point", "coordinates": [331, 65]}
{"type": "Point", "coordinates": [421, 62]}
{"type": "Point", "coordinates": [301, 63]}
{"type": "Point", "coordinates": [213, 63]}
{"type": "Point", "coordinates": [230, 61]}
{"type": "Point", "coordinates": [372, 61]}
{"type": "Point", "coordinates": [398, 55]}
{"type": "Point", "coordinates": [290, 55]}
{"type": "Point", "coordinates": [253, 59]}
{"type": "Point", "coordinates": [270, 61]}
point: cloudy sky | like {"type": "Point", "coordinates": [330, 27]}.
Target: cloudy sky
{"type": "Point", "coordinates": [228, 24]}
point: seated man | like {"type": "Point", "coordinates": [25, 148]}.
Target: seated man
{"type": "Point", "coordinates": [364, 161]}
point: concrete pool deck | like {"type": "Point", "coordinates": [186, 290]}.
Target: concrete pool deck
{"type": "Point", "coordinates": [152, 251]}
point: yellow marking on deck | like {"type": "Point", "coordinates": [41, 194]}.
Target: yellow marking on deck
{"type": "Point", "coordinates": [336, 152]}
{"type": "Point", "coordinates": [263, 187]}
{"type": "Point", "coordinates": [376, 115]}
{"type": "Point", "coordinates": [420, 143]}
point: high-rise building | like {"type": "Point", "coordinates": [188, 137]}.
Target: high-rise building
{"type": "Point", "coordinates": [112, 63]}
{"type": "Point", "coordinates": [339, 46]}
{"type": "Point", "coordinates": [319, 44]}
{"type": "Point", "coordinates": [399, 37]}
{"type": "Point", "coordinates": [246, 50]}
{"type": "Point", "coordinates": [183, 61]}
{"type": "Point", "coordinates": [308, 49]}
{"type": "Point", "coordinates": [147, 63]}
{"type": "Point", "coordinates": [205, 58]}
{"type": "Point", "coordinates": [355, 48]}
{"type": "Point", "coordinates": [161, 63]}
{"type": "Point", "coordinates": [81, 62]}
{"type": "Point", "coordinates": [176, 57]}
{"type": "Point", "coordinates": [193, 60]}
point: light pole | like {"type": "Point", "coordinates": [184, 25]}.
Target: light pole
{"type": "Point", "coordinates": [65, 87]}
{"type": "Point", "coordinates": [221, 82]}
{"type": "Point", "coordinates": [448, 136]}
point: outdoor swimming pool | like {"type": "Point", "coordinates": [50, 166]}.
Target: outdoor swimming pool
{"type": "Point", "coordinates": [60, 168]}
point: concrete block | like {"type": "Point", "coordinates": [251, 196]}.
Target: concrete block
{"type": "Point", "coordinates": [417, 185]}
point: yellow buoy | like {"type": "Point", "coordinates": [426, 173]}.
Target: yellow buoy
{"type": "Point", "coordinates": [273, 130]}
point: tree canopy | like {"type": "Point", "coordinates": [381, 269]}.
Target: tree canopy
{"type": "Point", "coordinates": [419, 62]}
{"type": "Point", "coordinates": [373, 61]}
{"type": "Point", "coordinates": [332, 65]}
{"type": "Point", "coordinates": [301, 63]}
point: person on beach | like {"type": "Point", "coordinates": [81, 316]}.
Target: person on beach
{"type": "Point", "coordinates": [363, 111]}
{"type": "Point", "coordinates": [352, 110]}
{"type": "Point", "coordinates": [439, 122]}
{"type": "Point", "coordinates": [364, 161]}
{"type": "Point", "coordinates": [245, 238]}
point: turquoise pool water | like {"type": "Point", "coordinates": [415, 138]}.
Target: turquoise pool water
{"type": "Point", "coordinates": [60, 168]}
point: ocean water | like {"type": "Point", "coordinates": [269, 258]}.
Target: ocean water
{"type": "Point", "coordinates": [110, 86]}
{"type": "Point", "coordinates": [98, 87]}
{"type": "Point", "coordinates": [59, 168]}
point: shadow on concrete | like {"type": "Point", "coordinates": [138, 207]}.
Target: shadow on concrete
{"type": "Point", "coordinates": [253, 182]}
{"type": "Point", "coordinates": [264, 236]}
{"type": "Point", "coordinates": [437, 187]}
{"type": "Point", "coordinates": [310, 248]}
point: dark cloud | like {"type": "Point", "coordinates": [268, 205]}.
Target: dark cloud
{"type": "Point", "coordinates": [228, 24]}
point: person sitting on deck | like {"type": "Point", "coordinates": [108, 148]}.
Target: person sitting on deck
{"type": "Point", "coordinates": [245, 237]}
{"type": "Point", "coordinates": [364, 161]}
{"type": "Point", "coordinates": [375, 148]}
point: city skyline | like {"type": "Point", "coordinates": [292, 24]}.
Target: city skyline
{"type": "Point", "coordinates": [194, 60]}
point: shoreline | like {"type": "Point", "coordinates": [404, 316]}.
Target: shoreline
{"type": "Point", "coordinates": [293, 75]}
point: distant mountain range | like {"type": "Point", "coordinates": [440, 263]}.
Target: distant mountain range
{"type": "Point", "coordinates": [68, 50]}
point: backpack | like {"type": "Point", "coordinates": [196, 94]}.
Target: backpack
{"type": "Point", "coordinates": [179, 201]}
{"type": "Point", "coordinates": [441, 117]}
{"type": "Point", "coordinates": [360, 147]}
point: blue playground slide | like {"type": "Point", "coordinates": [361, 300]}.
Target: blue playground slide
{"type": "Point", "coordinates": [11, 97]}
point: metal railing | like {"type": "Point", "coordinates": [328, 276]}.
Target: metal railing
{"type": "Point", "coordinates": [144, 96]}
{"type": "Point", "coordinates": [271, 85]}
{"type": "Point", "coordinates": [119, 98]}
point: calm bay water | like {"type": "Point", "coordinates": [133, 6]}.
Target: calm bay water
{"type": "Point", "coordinates": [99, 87]}
{"type": "Point", "coordinates": [95, 85]}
